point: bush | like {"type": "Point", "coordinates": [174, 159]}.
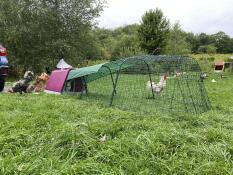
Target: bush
{"type": "Point", "coordinates": [126, 47]}
{"type": "Point", "coordinates": [211, 59]}
{"type": "Point", "coordinates": [211, 49]}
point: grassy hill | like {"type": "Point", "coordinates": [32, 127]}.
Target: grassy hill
{"type": "Point", "coordinates": [49, 134]}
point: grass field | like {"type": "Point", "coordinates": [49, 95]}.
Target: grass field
{"type": "Point", "coordinates": [49, 134]}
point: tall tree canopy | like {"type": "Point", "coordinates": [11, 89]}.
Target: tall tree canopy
{"type": "Point", "coordinates": [177, 44]}
{"type": "Point", "coordinates": [39, 32]}
{"type": "Point", "coordinates": [153, 31]}
{"type": "Point", "coordinates": [223, 42]}
{"type": "Point", "coordinates": [119, 42]}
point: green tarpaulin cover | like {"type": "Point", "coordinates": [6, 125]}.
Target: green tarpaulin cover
{"type": "Point", "coordinates": [97, 71]}
{"type": "Point", "coordinates": [80, 72]}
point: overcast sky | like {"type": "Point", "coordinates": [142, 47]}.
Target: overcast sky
{"type": "Point", "coordinates": [209, 16]}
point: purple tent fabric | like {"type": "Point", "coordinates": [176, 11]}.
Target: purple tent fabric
{"type": "Point", "coordinates": [57, 81]}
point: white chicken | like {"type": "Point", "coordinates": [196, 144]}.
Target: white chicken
{"type": "Point", "coordinates": [157, 88]}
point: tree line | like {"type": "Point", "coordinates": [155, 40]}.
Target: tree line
{"type": "Point", "coordinates": [156, 35]}
{"type": "Point", "coordinates": [38, 33]}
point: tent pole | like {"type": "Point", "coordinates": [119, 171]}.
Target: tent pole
{"type": "Point", "coordinates": [183, 96]}
{"type": "Point", "coordinates": [114, 88]}
{"type": "Point", "coordinates": [74, 85]}
{"type": "Point", "coordinates": [149, 73]}
{"type": "Point", "coordinates": [190, 95]}
{"type": "Point", "coordinates": [111, 77]}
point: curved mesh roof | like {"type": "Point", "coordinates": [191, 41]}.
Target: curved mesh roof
{"type": "Point", "coordinates": [155, 63]}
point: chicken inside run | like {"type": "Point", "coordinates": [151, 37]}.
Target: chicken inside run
{"type": "Point", "coordinates": [151, 84]}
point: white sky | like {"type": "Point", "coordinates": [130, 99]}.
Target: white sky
{"type": "Point", "coordinates": [209, 16]}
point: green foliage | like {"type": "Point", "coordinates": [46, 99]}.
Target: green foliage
{"type": "Point", "coordinates": [205, 39]}
{"type": "Point", "coordinates": [127, 30]}
{"type": "Point", "coordinates": [177, 44]}
{"type": "Point", "coordinates": [153, 31]}
{"type": "Point", "coordinates": [216, 43]}
{"type": "Point", "coordinates": [211, 49]}
{"type": "Point", "coordinates": [193, 41]}
{"type": "Point", "coordinates": [38, 33]}
{"type": "Point", "coordinates": [120, 42]}
{"type": "Point", "coordinates": [107, 42]}
{"type": "Point", "coordinates": [127, 46]}
{"type": "Point", "coordinates": [202, 49]}
{"type": "Point", "coordinates": [223, 42]}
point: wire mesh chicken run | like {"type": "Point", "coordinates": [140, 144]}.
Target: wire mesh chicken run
{"type": "Point", "coordinates": [150, 84]}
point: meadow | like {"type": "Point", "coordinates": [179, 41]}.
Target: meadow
{"type": "Point", "coordinates": [52, 134]}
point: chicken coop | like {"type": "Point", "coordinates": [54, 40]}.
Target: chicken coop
{"type": "Point", "coordinates": [149, 84]}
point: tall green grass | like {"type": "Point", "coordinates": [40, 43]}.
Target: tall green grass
{"type": "Point", "coordinates": [49, 134]}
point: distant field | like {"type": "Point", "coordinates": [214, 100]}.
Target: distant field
{"type": "Point", "coordinates": [207, 61]}
{"type": "Point", "coordinates": [216, 57]}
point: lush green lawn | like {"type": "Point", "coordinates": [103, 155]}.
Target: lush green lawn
{"type": "Point", "coordinates": [48, 134]}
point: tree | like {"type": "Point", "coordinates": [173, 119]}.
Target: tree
{"type": "Point", "coordinates": [231, 45]}
{"type": "Point", "coordinates": [131, 29]}
{"type": "Point", "coordinates": [127, 46]}
{"type": "Point", "coordinates": [222, 42]}
{"type": "Point", "coordinates": [106, 41]}
{"type": "Point", "coordinates": [39, 32]}
{"type": "Point", "coordinates": [120, 42]}
{"type": "Point", "coordinates": [153, 31]}
{"type": "Point", "coordinates": [202, 49]}
{"type": "Point", "coordinates": [211, 49]}
{"type": "Point", "coordinates": [193, 41]}
{"type": "Point", "coordinates": [177, 44]}
{"type": "Point", "coordinates": [205, 39]}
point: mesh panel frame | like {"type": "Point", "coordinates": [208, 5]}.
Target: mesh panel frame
{"type": "Point", "coordinates": [122, 84]}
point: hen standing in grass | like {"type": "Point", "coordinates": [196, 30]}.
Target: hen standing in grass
{"type": "Point", "coordinates": [157, 88]}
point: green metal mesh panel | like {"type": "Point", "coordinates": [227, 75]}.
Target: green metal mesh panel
{"type": "Point", "coordinates": [122, 84]}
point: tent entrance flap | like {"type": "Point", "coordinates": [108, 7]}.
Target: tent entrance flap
{"type": "Point", "coordinates": [76, 85]}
